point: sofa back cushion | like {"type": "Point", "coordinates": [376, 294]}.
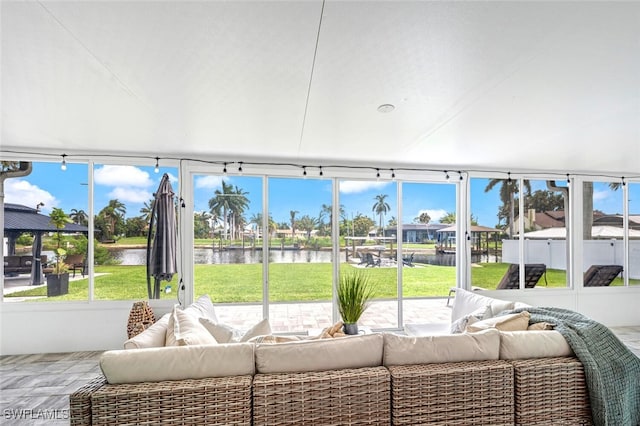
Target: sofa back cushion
{"type": "Point", "coordinates": [152, 337]}
{"type": "Point", "coordinates": [320, 355]}
{"type": "Point", "coordinates": [408, 350]}
{"type": "Point", "coordinates": [178, 363]}
{"type": "Point", "coordinates": [466, 302]}
{"type": "Point", "coordinates": [533, 344]}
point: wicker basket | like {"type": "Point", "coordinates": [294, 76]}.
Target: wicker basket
{"type": "Point", "coordinates": [551, 391]}
{"type": "Point", "coordinates": [140, 318]}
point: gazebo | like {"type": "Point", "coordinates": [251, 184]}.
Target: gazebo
{"type": "Point", "coordinates": [479, 244]}
{"type": "Point", "coordinates": [19, 219]}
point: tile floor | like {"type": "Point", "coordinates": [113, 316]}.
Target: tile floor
{"type": "Point", "coordinates": [34, 389]}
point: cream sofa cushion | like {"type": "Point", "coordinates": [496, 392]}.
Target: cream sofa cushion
{"type": "Point", "coordinates": [184, 330]}
{"type": "Point", "coordinates": [320, 355]}
{"type": "Point", "coordinates": [510, 322]}
{"type": "Point", "coordinates": [466, 302]}
{"type": "Point", "coordinates": [407, 350]}
{"type": "Point", "coordinates": [533, 344]}
{"type": "Point", "coordinates": [178, 363]}
{"type": "Point", "coordinates": [152, 337]}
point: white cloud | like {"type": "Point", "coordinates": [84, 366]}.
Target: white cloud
{"type": "Point", "coordinates": [125, 176]}
{"type": "Point", "coordinates": [18, 191]}
{"type": "Point", "coordinates": [355, 186]}
{"type": "Point", "coordinates": [601, 195]}
{"type": "Point", "coordinates": [132, 195]}
{"type": "Point", "coordinates": [209, 182]}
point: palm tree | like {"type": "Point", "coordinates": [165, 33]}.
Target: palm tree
{"type": "Point", "coordinates": [231, 202]}
{"type": "Point", "coordinates": [79, 216]}
{"type": "Point", "coordinates": [146, 210]}
{"type": "Point", "coordinates": [326, 210]}
{"type": "Point", "coordinates": [307, 224]}
{"type": "Point", "coordinates": [292, 216]}
{"type": "Point", "coordinates": [112, 213]}
{"type": "Point", "coordinates": [221, 203]}
{"type": "Point", "coordinates": [381, 207]}
{"type": "Point", "coordinates": [507, 195]}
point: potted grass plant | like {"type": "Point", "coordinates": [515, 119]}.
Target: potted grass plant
{"type": "Point", "coordinates": [58, 279]}
{"type": "Point", "coordinates": [355, 290]}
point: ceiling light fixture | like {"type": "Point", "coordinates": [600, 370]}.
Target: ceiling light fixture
{"type": "Point", "coordinates": [568, 179]}
{"type": "Point", "coordinates": [446, 175]}
{"type": "Point", "coordinates": [240, 167]}
{"type": "Point", "coordinates": [304, 171]}
{"type": "Point", "coordinates": [157, 168]}
{"type": "Point", "coordinates": [393, 175]}
{"type": "Point", "coordinates": [63, 165]}
{"type": "Point", "coordinates": [377, 174]}
{"type": "Point", "coordinates": [460, 173]}
{"type": "Point", "coordinates": [386, 108]}
{"type": "Point", "coordinates": [224, 170]}
{"type": "Point", "coordinates": [321, 172]}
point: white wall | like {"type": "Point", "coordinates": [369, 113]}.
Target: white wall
{"type": "Point", "coordinates": [29, 328]}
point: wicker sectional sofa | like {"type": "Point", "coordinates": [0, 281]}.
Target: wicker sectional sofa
{"type": "Point", "coordinates": [489, 377]}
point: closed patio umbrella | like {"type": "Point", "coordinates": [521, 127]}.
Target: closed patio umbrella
{"type": "Point", "coordinates": [161, 238]}
{"type": "Point", "coordinates": [36, 264]}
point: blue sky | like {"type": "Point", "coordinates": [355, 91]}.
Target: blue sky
{"type": "Point", "coordinates": [134, 185]}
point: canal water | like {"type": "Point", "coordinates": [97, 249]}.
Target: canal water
{"type": "Point", "coordinates": [208, 256]}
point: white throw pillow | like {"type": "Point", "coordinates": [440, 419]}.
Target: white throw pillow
{"type": "Point", "coordinates": [510, 322]}
{"type": "Point", "coordinates": [460, 325]}
{"type": "Point", "coordinates": [226, 334]}
{"type": "Point", "coordinates": [203, 307]}
{"type": "Point", "coordinates": [153, 337]}
{"type": "Point", "coordinates": [184, 330]}
{"type": "Point", "coordinates": [407, 350]}
{"type": "Point", "coordinates": [466, 302]}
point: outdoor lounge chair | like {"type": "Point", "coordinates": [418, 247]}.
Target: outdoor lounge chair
{"type": "Point", "coordinates": [532, 274]}
{"type": "Point", "coordinates": [408, 260]}
{"type": "Point", "coordinates": [601, 275]}
{"type": "Point", "coordinates": [511, 279]}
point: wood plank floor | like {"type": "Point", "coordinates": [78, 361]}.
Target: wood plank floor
{"type": "Point", "coordinates": [35, 389]}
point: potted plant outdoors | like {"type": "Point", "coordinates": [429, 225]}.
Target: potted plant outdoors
{"type": "Point", "coordinates": [58, 279]}
{"type": "Point", "coordinates": [355, 290]}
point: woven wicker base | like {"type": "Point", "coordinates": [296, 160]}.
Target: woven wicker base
{"type": "Point", "coordinates": [462, 393]}
{"type": "Point", "coordinates": [551, 391]}
{"type": "Point", "coordinates": [80, 402]}
{"type": "Point", "coordinates": [211, 401]}
{"type": "Point", "coordinates": [345, 397]}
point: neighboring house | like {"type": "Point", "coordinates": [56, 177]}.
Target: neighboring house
{"type": "Point", "coordinates": [535, 221]}
{"type": "Point", "coordinates": [416, 232]}
{"type": "Point", "coordinates": [616, 220]}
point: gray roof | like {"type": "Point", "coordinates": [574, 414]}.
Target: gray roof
{"type": "Point", "coordinates": [18, 218]}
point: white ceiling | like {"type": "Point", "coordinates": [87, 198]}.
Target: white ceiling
{"type": "Point", "coordinates": [477, 85]}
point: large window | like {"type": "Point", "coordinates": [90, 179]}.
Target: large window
{"type": "Point", "coordinates": [228, 245]}
{"type": "Point", "coordinates": [494, 230]}
{"type": "Point", "coordinates": [300, 255]}
{"type": "Point", "coordinates": [368, 244]}
{"type": "Point", "coordinates": [603, 234]}
{"type": "Point", "coordinates": [31, 245]}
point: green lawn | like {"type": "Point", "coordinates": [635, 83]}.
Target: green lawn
{"type": "Point", "coordinates": [287, 281]}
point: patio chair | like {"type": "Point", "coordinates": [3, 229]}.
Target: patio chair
{"type": "Point", "coordinates": [76, 263]}
{"type": "Point", "coordinates": [371, 261]}
{"type": "Point", "coordinates": [601, 275]}
{"type": "Point", "coordinates": [408, 260]}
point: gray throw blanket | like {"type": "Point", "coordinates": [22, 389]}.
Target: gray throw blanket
{"type": "Point", "coordinates": [611, 370]}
